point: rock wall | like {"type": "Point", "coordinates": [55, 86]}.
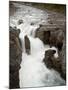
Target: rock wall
{"type": "Point", "coordinates": [15, 53]}
{"type": "Point", "coordinates": [55, 63]}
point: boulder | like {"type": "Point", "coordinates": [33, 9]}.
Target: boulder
{"type": "Point", "coordinates": [20, 21]}
{"type": "Point", "coordinates": [54, 63]}
{"type": "Point", "coordinates": [27, 44]}
{"type": "Point", "coordinates": [48, 58]}
{"type": "Point", "coordinates": [15, 53]}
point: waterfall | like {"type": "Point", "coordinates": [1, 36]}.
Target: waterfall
{"type": "Point", "coordinates": [33, 72]}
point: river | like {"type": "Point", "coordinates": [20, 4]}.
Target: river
{"type": "Point", "coordinates": [33, 72]}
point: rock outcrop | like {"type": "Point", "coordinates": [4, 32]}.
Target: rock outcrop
{"type": "Point", "coordinates": [54, 63]}
{"type": "Point", "coordinates": [27, 44]}
{"type": "Point", "coordinates": [48, 59]}
{"type": "Point", "coordinates": [53, 31]}
{"type": "Point", "coordinates": [15, 53]}
{"type": "Point", "coordinates": [51, 37]}
{"type": "Point", "coordinates": [56, 39]}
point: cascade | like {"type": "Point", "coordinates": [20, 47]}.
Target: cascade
{"type": "Point", "coordinates": [33, 72]}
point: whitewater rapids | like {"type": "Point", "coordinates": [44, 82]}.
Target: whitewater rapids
{"type": "Point", "coordinates": [33, 72]}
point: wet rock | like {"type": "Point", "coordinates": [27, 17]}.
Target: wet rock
{"type": "Point", "coordinates": [15, 53]}
{"type": "Point", "coordinates": [14, 30]}
{"type": "Point", "coordinates": [56, 39]}
{"type": "Point", "coordinates": [54, 63]}
{"type": "Point", "coordinates": [39, 34]}
{"type": "Point", "coordinates": [20, 21]}
{"type": "Point", "coordinates": [46, 37]}
{"type": "Point", "coordinates": [43, 35]}
{"type": "Point", "coordinates": [48, 58]}
{"type": "Point", "coordinates": [27, 44]}
{"type": "Point", "coordinates": [62, 54]}
{"type": "Point", "coordinates": [60, 40]}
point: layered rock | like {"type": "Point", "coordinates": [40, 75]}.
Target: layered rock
{"type": "Point", "coordinates": [15, 53]}
{"type": "Point", "coordinates": [27, 44]}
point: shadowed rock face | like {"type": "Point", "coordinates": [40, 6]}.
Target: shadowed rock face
{"type": "Point", "coordinates": [56, 39]}
{"type": "Point", "coordinates": [46, 37]}
{"type": "Point", "coordinates": [15, 57]}
{"type": "Point", "coordinates": [53, 38]}
{"type": "Point", "coordinates": [27, 44]}
{"type": "Point", "coordinates": [54, 63]}
{"type": "Point", "coordinates": [62, 55]}
{"type": "Point", "coordinates": [43, 35]}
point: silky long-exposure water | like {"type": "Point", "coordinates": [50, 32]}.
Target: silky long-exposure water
{"type": "Point", "coordinates": [33, 72]}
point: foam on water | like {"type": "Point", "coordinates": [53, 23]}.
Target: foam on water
{"type": "Point", "coordinates": [33, 72]}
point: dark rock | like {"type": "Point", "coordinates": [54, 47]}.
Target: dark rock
{"type": "Point", "coordinates": [39, 34]}
{"type": "Point", "coordinates": [20, 21]}
{"type": "Point", "coordinates": [46, 37]}
{"type": "Point", "coordinates": [15, 53]}
{"type": "Point", "coordinates": [62, 54]}
{"type": "Point", "coordinates": [14, 80]}
{"type": "Point", "coordinates": [27, 44]}
{"type": "Point", "coordinates": [43, 35]}
{"type": "Point", "coordinates": [48, 58]}
{"type": "Point", "coordinates": [60, 40]}
{"type": "Point", "coordinates": [54, 63]}
{"type": "Point", "coordinates": [56, 39]}
{"type": "Point", "coordinates": [52, 36]}
{"type": "Point", "coordinates": [14, 30]}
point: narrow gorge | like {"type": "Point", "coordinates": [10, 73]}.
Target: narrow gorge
{"type": "Point", "coordinates": [37, 46]}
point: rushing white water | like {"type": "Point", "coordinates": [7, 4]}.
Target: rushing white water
{"type": "Point", "coordinates": [33, 72]}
